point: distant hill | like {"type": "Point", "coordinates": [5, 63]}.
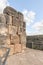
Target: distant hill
{"type": "Point", "coordinates": [35, 41]}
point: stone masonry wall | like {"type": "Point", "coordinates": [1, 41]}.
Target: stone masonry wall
{"type": "Point", "coordinates": [12, 30]}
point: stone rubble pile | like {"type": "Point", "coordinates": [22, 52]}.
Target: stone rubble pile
{"type": "Point", "coordinates": [12, 30]}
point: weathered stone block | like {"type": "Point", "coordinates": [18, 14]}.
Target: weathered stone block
{"type": "Point", "coordinates": [8, 19]}
{"type": "Point", "coordinates": [3, 29]}
{"type": "Point", "coordinates": [24, 27]}
{"type": "Point", "coordinates": [23, 39]}
{"type": "Point", "coordinates": [24, 24]}
{"type": "Point", "coordinates": [20, 15]}
{"type": "Point", "coordinates": [12, 30]}
{"type": "Point", "coordinates": [2, 19]}
{"type": "Point", "coordinates": [3, 39]}
{"type": "Point", "coordinates": [20, 30]}
{"type": "Point", "coordinates": [7, 41]}
{"type": "Point", "coordinates": [15, 21]}
{"type": "Point", "coordinates": [23, 46]}
{"type": "Point", "coordinates": [17, 48]}
{"type": "Point", "coordinates": [10, 11]}
{"type": "Point", "coordinates": [15, 39]}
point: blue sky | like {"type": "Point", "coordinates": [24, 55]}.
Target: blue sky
{"type": "Point", "coordinates": [31, 5]}
{"type": "Point", "coordinates": [33, 13]}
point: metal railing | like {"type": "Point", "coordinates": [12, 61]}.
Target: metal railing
{"type": "Point", "coordinates": [4, 57]}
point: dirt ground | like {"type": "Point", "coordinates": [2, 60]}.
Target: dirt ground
{"type": "Point", "coordinates": [27, 57]}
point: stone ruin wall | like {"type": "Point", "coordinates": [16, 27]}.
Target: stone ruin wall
{"type": "Point", "coordinates": [12, 30]}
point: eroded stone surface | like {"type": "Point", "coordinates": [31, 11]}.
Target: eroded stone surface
{"type": "Point", "coordinates": [12, 28]}
{"type": "Point", "coordinates": [27, 57]}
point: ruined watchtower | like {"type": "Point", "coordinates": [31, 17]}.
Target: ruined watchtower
{"type": "Point", "coordinates": [12, 30]}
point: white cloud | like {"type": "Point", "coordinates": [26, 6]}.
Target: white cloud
{"type": "Point", "coordinates": [38, 26]}
{"type": "Point", "coordinates": [34, 33]}
{"type": "Point", "coordinates": [29, 16]}
{"type": "Point", "coordinates": [36, 29]}
{"type": "Point", "coordinates": [3, 4]}
{"type": "Point", "coordinates": [28, 32]}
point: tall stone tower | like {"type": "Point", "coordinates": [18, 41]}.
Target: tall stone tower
{"type": "Point", "coordinates": [12, 30]}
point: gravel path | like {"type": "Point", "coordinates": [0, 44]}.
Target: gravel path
{"type": "Point", "coordinates": [28, 57]}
